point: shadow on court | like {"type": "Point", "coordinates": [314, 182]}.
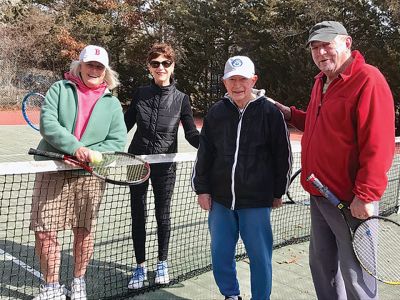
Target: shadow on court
{"type": "Point", "coordinates": [20, 275]}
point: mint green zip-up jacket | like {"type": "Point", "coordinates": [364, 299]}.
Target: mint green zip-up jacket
{"type": "Point", "coordinates": [105, 131]}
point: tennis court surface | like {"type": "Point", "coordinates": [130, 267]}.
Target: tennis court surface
{"type": "Point", "coordinates": [113, 259]}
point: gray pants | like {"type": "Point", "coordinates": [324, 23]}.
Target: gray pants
{"type": "Point", "coordinates": [336, 273]}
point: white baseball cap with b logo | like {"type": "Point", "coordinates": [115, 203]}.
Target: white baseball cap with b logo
{"type": "Point", "coordinates": [239, 65]}
{"type": "Point", "coordinates": [94, 53]}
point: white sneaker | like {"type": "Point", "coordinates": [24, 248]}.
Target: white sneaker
{"type": "Point", "coordinates": [50, 293]}
{"type": "Point", "coordinates": [162, 276]}
{"type": "Point", "coordinates": [139, 276]}
{"type": "Point", "coordinates": [78, 290]}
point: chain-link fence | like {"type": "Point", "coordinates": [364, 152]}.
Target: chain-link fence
{"type": "Point", "coordinates": [16, 82]}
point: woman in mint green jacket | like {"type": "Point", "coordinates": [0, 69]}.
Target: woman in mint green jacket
{"type": "Point", "coordinates": [79, 117]}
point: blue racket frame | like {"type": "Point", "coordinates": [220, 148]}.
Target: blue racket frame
{"type": "Point", "coordinates": [25, 107]}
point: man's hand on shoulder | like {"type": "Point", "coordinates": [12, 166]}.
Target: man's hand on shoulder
{"type": "Point", "coordinates": [287, 114]}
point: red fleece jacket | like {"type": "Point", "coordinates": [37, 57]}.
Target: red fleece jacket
{"type": "Point", "coordinates": [349, 133]}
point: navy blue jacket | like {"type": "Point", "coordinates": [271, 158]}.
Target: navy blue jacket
{"type": "Point", "coordinates": [244, 158]}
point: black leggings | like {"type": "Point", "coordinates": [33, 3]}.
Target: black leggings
{"type": "Point", "coordinates": [163, 181]}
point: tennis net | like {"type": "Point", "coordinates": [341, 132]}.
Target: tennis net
{"type": "Point", "coordinates": [109, 269]}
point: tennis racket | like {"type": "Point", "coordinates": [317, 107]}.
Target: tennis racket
{"type": "Point", "coordinates": [295, 193]}
{"type": "Point", "coordinates": [31, 105]}
{"type": "Point", "coordinates": [115, 167]}
{"type": "Point", "coordinates": [376, 240]}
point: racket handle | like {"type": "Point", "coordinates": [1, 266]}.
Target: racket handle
{"type": "Point", "coordinates": [323, 189]}
{"type": "Point", "coordinates": [45, 153]}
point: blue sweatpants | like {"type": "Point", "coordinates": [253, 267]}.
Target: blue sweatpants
{"type": "Point", "coordinates": [254, 227]}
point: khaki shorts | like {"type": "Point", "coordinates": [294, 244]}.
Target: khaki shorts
{"type": "Point", "coordinates": [64, 200]}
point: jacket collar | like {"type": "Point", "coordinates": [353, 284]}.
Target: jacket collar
{"type": "Point", "coordinates": [164, 89]}
{"type": "Point", "coordinates": [259, 93]}
{"type": "Point", "coordinates": [107, 92]}
{"type": "Point", "coordinates": [358, 60]}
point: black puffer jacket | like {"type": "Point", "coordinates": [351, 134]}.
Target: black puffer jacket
{"type": "Point", "coordinates": [244, 159]}
{"type": "Point", "coordinates": [157, 112]}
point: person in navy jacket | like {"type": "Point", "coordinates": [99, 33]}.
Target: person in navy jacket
{"type": "Point", "coordinates": [242, 170]}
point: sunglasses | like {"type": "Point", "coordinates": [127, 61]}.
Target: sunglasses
{"type": "Point", "coordinates": [155, 64]}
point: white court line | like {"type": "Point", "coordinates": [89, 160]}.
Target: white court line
{"type": "Point", "coordinates": [28, 268]}
{"type": "Point", "coordinates": [20, 263]}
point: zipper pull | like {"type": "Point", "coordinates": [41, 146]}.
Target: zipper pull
{"type": "Point", "coordinates": [241, 111]}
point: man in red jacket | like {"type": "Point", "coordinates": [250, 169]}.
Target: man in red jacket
{"type": "Point", "coordinates": [348, 143]}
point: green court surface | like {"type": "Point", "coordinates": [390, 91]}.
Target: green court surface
{"type": "Point", "coordinates": [189, 244]}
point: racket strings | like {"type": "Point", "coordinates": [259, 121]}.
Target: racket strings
{"type": "Point", "coordinates": [376, 243]}
{"type": "Point", "coordinates": [122, 167]}
{"type": "Point", "coordinates": [135, 172]}
{"type": "Point", "coordinates": [35, 102]}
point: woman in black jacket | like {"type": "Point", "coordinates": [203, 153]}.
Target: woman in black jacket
{"type": "Point", "coordinates": [157, 109]}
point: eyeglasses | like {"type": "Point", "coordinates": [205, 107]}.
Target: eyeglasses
{"type": "Point", "coordinates": [155, 64]}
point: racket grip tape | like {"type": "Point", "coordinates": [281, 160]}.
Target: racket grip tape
{"type": "Point", "coordinates": [45, 153]}
{"type": "Point", "coordinates": [323, 189]}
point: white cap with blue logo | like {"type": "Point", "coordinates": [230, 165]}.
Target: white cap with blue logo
{"type": "Point", "coordinates": [239, 65]}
